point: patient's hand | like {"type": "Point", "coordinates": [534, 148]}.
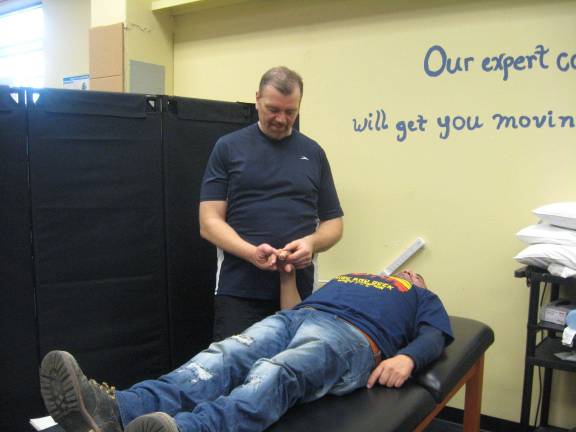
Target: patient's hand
{"type": "Point", "coordinates": [392, 372]}
{"type": "Point", "coordinates": [283, 266]}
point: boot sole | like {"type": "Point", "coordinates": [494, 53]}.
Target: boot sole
{"type": "Point", "coordinates": [157, 422]}
{"type": "Point", "coordinates": [60, 390]}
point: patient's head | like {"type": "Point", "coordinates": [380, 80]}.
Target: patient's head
{"type": "Point", "coordinates": [413, 277]}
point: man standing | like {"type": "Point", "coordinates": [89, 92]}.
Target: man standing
{"type": "Point", "coordinates": [266, 187]}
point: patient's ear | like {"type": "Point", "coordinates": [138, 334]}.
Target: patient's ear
{"type": "Point", "coordinates": [417, 279]}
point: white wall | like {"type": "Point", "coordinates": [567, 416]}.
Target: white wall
{"type": "Point", "coordinates": [67, 25]}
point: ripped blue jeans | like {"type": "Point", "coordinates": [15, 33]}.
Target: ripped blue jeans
{"type": "Point", "coordinates": [248, 381]}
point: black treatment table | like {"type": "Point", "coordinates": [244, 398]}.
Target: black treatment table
{"type": "Point", "coordinates": [412, 407]}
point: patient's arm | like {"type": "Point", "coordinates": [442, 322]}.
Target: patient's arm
{"type": "Point", "coordinates": [289, 295]}
{"type": "Point", "coordinates": [426, 347]}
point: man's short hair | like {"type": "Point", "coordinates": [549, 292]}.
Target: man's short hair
{"type": "Point", "coordinates": [282, 79]}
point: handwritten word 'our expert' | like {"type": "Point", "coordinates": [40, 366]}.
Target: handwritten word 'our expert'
{"type": "Point", "coordinates": [437, 62]}
{"type": "Point", "coordinates": [378, 122]}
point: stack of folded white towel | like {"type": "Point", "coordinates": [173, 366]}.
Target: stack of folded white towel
{"type": "Point", "coordinates": [552, 242]}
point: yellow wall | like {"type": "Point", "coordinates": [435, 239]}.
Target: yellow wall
{"type": "Point", "coordinates": [66, 39]}
{"type": "Point", "coordinates": [148, 38]}
{"type": "Point", "coordinates": [107, 12]}
{"type": "Point", "coordinates": [467, 195]}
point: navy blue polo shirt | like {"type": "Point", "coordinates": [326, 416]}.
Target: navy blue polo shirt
{"type": "Point", "coordinates": [276, 192]}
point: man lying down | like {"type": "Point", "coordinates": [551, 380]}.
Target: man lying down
{"type": "Point", "coordinates": [356, 331]}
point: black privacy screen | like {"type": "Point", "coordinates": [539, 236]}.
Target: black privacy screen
{"type": "Point", "coordinates": [191, 128]}
{"type": "Point", "coordinates": [97, 213]}
{"type": "Point", "coordinates": [18, 340]}
{"type": "Point", "coordinates": [100, 252]}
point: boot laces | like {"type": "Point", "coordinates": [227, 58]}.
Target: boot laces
{"type": "Point", "coordinates": [109, 390]}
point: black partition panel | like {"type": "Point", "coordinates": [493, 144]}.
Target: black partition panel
{"type": "Point", "coordinates": [100, 252]}
{"type": "Point", "coordinates": [98, 231]}
{"type": "Point", "coordinates": [19, 397]}
{"type": "Point", "coordinates": [191, 128]}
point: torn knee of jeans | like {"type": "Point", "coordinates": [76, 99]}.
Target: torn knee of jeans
{"type": "Point", "coordinates": [253, 380]}
{"type": "Point", "coordinates": [199, 372]}
{"type": "Point", "coordinates": [243, 339]}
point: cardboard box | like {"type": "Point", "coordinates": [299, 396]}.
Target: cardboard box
{"type": "Point", "coordinates": [107, 51]}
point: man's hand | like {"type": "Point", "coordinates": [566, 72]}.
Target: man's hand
{"type": "Point", "coordinates": [264, 257]}
{"type": "Point", "coordinates": [302, 250]}
{"type": "Point", "coordinates": [392, 372]}
{"type": "Point", "coordinates": [300, 254]}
